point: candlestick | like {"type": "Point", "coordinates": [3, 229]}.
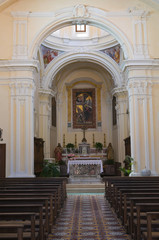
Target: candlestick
{"type": "Point", "coordinates": [93, 141]}
{"type": "Point", "coordinates": [104, 140]}
{"type": "Point", "coordinates": [64, 141]}
{"type": "Point", "coordinates": [75, 140]}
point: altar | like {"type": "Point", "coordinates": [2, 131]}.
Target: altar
{"type": "Point", "coordinates": [86, 161]}
{"type": "Point", "coordinates": [82, 167]}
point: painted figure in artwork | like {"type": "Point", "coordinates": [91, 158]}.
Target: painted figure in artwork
{"type": "Point", "coordinates": [117, 55]}
{"type": "Point", "coordinates": [58, 153]}
{"type": "Point", "coordinates": [83, 107]}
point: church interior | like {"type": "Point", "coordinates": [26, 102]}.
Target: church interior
{"type": "Point", "coordinates": [79, 94]}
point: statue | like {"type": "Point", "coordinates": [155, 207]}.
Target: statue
{"type": "Point", "coordinates": [110, 152]}
{"type": "Point", "coordinates": [58, 153]}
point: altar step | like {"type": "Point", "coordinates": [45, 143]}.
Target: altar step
{"type": "Point", "coordinates": [85, 188]}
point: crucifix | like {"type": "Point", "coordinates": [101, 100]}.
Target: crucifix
{"type": "Point", "coordinates": [84, 128]}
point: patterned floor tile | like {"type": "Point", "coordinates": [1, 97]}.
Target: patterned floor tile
{"type": "Point", "coordinates": [87, 217]}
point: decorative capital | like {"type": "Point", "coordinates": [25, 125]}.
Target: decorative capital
{"type": "Point", "coordinates": [22, 89]}
{"type": "Point", "coordinates": [142, 87]}
{"type": "Point", "coordinates": [138, 12]}
{"type": "Point", "coordinates": [119, 92]}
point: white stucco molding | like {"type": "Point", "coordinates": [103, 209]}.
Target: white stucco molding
{"type": "Point", "coordinates": [48, 92]}
{"type": "Point", "coordinates": [119, 91]}
{"type": "Point", "coordinates": [140, 64]}
{"type": "Point", "coordinates": [94, 16]}
{"type": "Point", "coordinates": [96, 57]}
{"type": "Point", "coordinates": [19, 65]}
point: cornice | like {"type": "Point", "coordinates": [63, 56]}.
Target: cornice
{"type": "Point", "coordinates": [140, 64]}
{"type": "Point", "coordinates": [16, 65]}
{"type": "Point", "coordinates": [87, 11]}
{"type": "Point", "coordinates": [67, 44]}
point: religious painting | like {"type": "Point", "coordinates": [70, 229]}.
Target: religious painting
{"type": "Point", "coordinates": [84, 108]}
{"type": "Point", "coordinates": [113, 52]}
{"type": "Point", "coordinates": [49, 54]}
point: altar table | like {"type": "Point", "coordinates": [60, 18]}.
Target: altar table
{"type": "Point", "coordinates": [84, 167]}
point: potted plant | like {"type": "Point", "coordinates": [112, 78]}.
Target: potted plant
{"type": "Point", "coordinates": [98, 146]}
{"type": "Point", "coordinates": [109, 167]}
{"type": "Point", "coordinates": [63, 168]}
{"type": "Point", "coordinates": [128, 161]}
{"type": "Point", "coordinates": [50, 169]}
{"type": "Point", "coordinates": [70, 147]}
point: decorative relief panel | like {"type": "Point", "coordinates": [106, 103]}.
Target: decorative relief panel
{"type": "Point", "coordinates": [80, 11]}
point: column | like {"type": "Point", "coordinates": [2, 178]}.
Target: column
{"type": "Point", "coordinates": [45, 120]}
{"type": "Point", "coordinates": [141, 125]}
{"type": "Point", "coordinates": [22, 129]}
{"type": "Point", "coordinates": [122, 120]}
{"type": "Point", "coordinates": [60, 119]}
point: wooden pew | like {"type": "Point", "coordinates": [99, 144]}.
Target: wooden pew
{"type": "Point", "coordinates": [44, 196]}
{"type": "Point", "coordinates": [36, 190]}
{"type": "Point", "coordinates": [110, 181]}
{"type": "Point", "coordinates": [40, 180]}
{"type": "Point", "coordinates": [11, 230]}
{"type": "Point", "coordinates": [152, 233]}
{"type": "Point", "coordinates": [118, 191]}
{"type": "Point", "coordinates": [55, 189]}
{"type": "Point", "coordinates": [34, 200]}
{"type": "Point", "coordinates": [119, 195]}
{"type": "Point", "coordinates": [121, 205]}
{"type": "Point", "coordinates": [133, 210]}
{"type": "Point", "coordinates": [143, 208]}
{"type": "Point", "coordinates": [128, 206]}
{"type": "Point", "coordinates": [29, 207]}
{"type": "Point", "coordinates": [21, 217]}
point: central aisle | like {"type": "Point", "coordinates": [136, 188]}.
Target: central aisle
{"type": "Point", "coordinates": [87, 217]}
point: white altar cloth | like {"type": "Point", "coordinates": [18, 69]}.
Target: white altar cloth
{"type": "Point", "coordinates": [85, 162]}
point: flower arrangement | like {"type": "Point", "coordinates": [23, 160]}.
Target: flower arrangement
{"type": "Point", "coordinates": [71, 156]}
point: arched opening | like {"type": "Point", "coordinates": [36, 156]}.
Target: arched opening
{"type": "Point", "coordinates": [92, 68]}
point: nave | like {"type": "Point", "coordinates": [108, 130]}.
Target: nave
{"type": "Point", "coordinates": [87, 217]}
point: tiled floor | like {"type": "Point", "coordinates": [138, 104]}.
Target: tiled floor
{"type": "Point", "coordinates": [87, 217]}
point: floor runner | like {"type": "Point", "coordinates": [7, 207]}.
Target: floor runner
{"type": "Point", "coordinates": [87, 218]}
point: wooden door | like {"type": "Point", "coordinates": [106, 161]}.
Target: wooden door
{"type": "Point", "coordinates": [127, 146]}
{"type": "Point", "coordinates": [2, 160]}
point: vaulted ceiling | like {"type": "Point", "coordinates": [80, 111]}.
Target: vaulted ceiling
{"type": "Point", "coordinates": [5, 3]}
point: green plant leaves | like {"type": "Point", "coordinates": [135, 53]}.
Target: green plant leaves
{"type": "Point", "coordinates": [99, 145]}
{"type": "Point", "coordinates": [50, 170]}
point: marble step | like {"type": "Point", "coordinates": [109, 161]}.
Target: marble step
{"type": "Point", "coordinates": [101, 185]}
{"type": "Point", "coordinates": [85, 190]}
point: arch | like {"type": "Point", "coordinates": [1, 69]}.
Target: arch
{"type": "Point", "coordinates": [96, 57]}
{"type": "Point", "coordinates": [92, 16]}
{"type": "Point", "coordinates": [83, 80]}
